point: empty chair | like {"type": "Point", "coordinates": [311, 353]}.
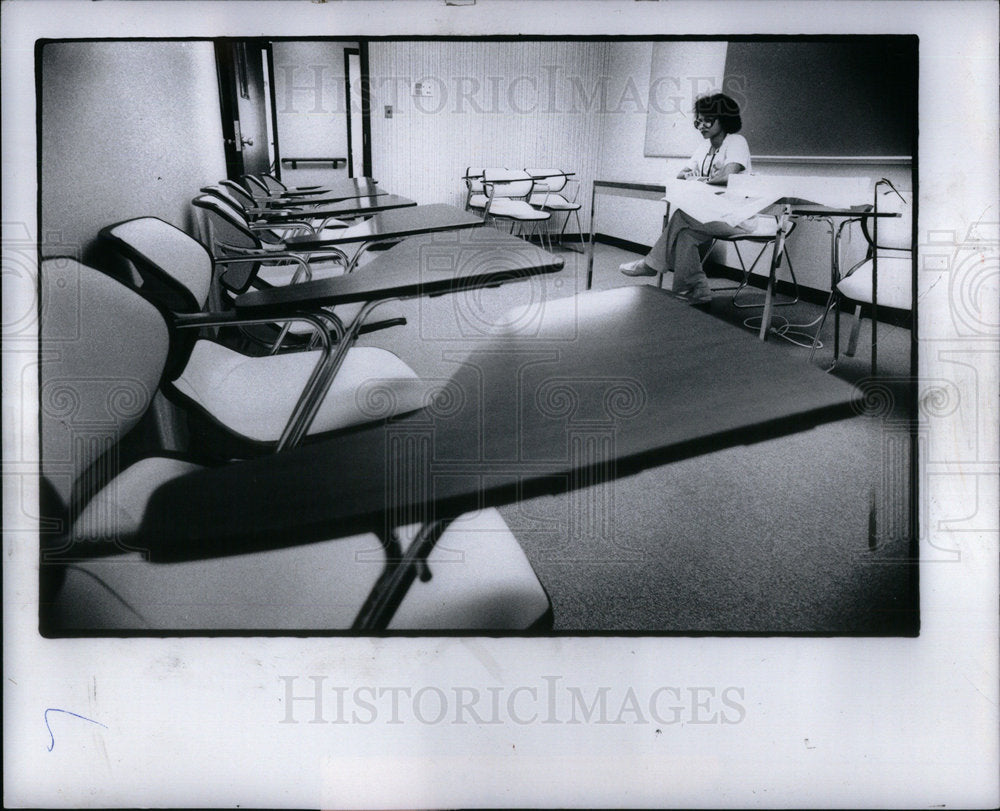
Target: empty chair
{"type": "Point", "coordinates": [475, 191]}
{"type": "Point", "coordinates": [550, 194]}
{"type": "Point", "coordinates": [262, 401]}
{"type": "Point", "coordinates": [274, 224]}
{"type": "Point", "coordinates": [508, 192]}
{"type": "Point", "coordinates": [98, 576]}
{"type": "Point", "coordinates": [895, 265]}
{"type": "Point", "coordinates": [252, 252]}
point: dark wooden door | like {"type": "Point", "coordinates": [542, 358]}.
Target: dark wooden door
{"type": "Point", "coordinates": [246, 101]}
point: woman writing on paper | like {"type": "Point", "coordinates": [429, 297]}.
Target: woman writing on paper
{"type": "Point", "coordinates": [722, 153]}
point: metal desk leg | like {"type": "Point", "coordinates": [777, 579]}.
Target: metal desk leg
{"type": "Point", "coordinates": [779, 252]}
{"type": "Point", "coordinates": [590, 251]}
{"type": "Point", "coordinates": [666, 222]}
{"type": "Point", "coordinates": [399, 573]}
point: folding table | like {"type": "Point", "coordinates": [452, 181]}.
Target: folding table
{"type": "Point", "coordinates": [603, 385]}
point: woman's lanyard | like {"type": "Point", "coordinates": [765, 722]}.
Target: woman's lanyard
{"type": "Point", "coordinates": [710, 157]}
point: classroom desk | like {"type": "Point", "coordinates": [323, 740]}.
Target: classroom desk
{"type": "Point", "coordinates": [423, 265]}
{"type": "Point", "coordinates": [828, 216]}
{"type": "Point", "coordinates": [389, 226]}
{"type": "Point", "coordinates": [797, 209]}
{"type": "Point", "coordinates": [547, 175]}
{"type": "Point", "coordinates": [605, 385]}
{"type": "Point", "coordinates": [336, 191]}
{"type": "Point", "coordinates": [348, 208]}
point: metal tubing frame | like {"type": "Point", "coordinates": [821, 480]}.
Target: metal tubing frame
{"type": "Point", "coordinates": [395, 580]}
{"type": "Point", "coordinates": [304, 408]}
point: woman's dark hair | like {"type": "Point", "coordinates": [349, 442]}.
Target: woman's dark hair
{"type": "Point", "coordinates": [722, 108]}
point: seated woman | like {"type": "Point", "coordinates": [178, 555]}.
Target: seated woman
{"type": "Point", "coordinates": [722, 154]}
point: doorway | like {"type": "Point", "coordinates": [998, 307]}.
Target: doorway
{"type": "Point", "coordinates": [246, 98]}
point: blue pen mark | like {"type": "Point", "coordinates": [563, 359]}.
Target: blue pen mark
{"type": "Point", "coordinates": [52, 737]}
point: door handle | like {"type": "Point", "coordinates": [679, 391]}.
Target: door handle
{"type": "Point", "coordinates": [246, 141]}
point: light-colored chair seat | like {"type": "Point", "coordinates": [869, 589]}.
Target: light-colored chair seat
{"type": "Point", "coordinates": [477, 201]}
{"type": "Point", "coordinates": [517, 209]}
{"type": "Point", "coordinates": [96, 387]}
{"type": "Point", "coordinates": [894, 277]}
{"type": "Point", "coordinates": [281, 275]}
{"type": "Point", "coordinates": [253, 397]}
{"type": "Point", "coordinates": [480, 580]}
{"type": "Point", "coordinates": [553, 202]}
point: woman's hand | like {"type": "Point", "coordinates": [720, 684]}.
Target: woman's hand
{"type": "Point", "coordinates": [721, 177]}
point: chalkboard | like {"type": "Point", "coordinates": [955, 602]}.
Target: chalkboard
{"type": "Point", "coordinates": [834, 98]}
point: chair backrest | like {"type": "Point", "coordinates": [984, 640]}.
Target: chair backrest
{"type": "Point", "coordinates": [509, 182]}
{"type": "Point", "coordinates": [225, 227]}
{"type": "Point", "coordinates": [176, 270]}
{"type": "Point", "coordinates": [551, 180]}
{"type": "Point", "coordinates": [474, 180]}
{"type": "Point", "coordinates": [256, 186]}
{"type": "Point", "coordinates": [226, 223]}
{"type": "Point", "coordinates": [241, 200]}
{"type": "Point", "coordinates": [894, 233]}
{"type": "Point", "coordinates": [103, 352]}
{"type": "Point", "coordinates": [274, 185]}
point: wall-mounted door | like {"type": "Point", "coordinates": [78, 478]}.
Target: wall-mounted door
{"type": "Point", "coordinates": [246, 101]}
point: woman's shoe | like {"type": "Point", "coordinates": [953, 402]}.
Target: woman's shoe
{"type": "Point", "coordinates": [637, 268]}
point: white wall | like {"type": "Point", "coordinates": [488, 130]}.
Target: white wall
{"type": "Point", "coordinates": [128, 129]}
{"type": "Point", "coordinates": [514, 104]}
{"type": "Point", "coordinates": [623, 143]}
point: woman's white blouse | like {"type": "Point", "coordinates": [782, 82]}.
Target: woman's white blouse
{"type": "Point", "coordinates": [734, 149]}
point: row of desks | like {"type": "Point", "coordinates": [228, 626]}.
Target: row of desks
{"type": "Point", "coordinates": [602, 384]}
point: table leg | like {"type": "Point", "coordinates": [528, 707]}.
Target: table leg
{"type": "Point", "coordinates": [666, 222]}
{"type": "Point", "coordinates": [399, 573]}
{"type": "Point", "coordinates": [297, 428]}
{"type": "Point", "coordinates": [590, 249]}
{"type": "Point", "coordinates": [779, 251]}
{"type": "Point", "coordinates": [834, 276]}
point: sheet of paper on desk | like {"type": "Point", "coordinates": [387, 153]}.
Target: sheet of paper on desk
{"type": "Point", "coordinates": [713, 204]}
{"type": "Point", "coordinates": [836, 192]}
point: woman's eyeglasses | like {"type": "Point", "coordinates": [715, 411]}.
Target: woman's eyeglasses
{"type": "Point", "coordinates": [703, 122]}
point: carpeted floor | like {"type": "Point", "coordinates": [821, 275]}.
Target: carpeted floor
{"type": "Point", "coordinates": [806, 534]}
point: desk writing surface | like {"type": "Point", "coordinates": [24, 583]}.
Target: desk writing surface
{"type": "Point", "coordinates": [605, 384]}
{"type": "Point", "coordinates": [400, 222]}
{"type": "Point", "coordinates": [350, 207]}
{"type": "Point", "coordinates": [338, 190]}
{"type": "Point", "coordinates": [421, 265]}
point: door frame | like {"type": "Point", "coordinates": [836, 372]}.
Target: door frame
{"type": "Point", "coordinates": [348, 53]}
{"type": "Point", "coordinates": [228, 81]}
{"type": "Point", "coordinates": [366, 126]}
